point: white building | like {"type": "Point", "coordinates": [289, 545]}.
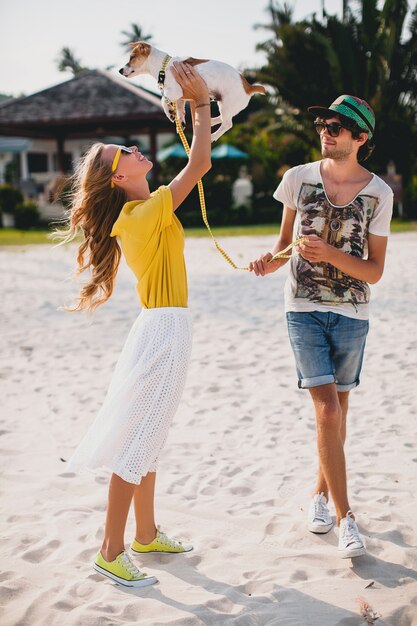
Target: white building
{"type": "Point", "coordinates": [46, 132]}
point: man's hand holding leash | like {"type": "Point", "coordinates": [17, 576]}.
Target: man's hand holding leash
{"type": "Point", "coordinates": [264, 265]}
{"type": "Point", "coordinates": [272, 261]}
{"type": "Point", "coordinates": [315, 250]}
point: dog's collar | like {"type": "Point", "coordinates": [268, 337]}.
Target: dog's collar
{"type": "Point", "coordinates": [161, 75]}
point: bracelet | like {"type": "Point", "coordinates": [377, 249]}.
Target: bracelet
{"type": "Point", "coordinates": [204, 104]}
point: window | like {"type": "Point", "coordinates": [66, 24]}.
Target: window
{"type": "Point", "coordinates": [67, 164]}
{"type": "Point", "coordinates": [37, 162]}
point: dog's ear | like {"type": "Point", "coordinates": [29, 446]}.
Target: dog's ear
{"type": "Point", "coordinates": [141, 47]}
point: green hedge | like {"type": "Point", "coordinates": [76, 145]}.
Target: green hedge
{"type": "Point", "coordinates": [26, 215]}
{"type": "Point", "coordinates": [10, 197]}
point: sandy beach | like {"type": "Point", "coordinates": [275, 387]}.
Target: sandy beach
{"type": "Point", "coordinates": [239, 466]}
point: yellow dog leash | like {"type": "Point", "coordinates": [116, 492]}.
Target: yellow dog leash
{"type": "Point", "coordinates": [278, 255]}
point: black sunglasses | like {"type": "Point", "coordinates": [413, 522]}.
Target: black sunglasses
{"type": "Point", "coordinates": [333, 128]}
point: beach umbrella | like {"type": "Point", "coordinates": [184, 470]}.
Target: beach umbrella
{"type": "Point", "coordinates": [174, 151]}
{"type": "Point", "coordinates": [227, 151]}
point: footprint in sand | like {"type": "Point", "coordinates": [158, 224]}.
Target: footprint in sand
{"type": "Point", "coordinates": [99, 534]}
{"type": "Point", "coordinates": [178, 483]}
{"type": "Point", "coordinates": [16, 587]}
{"type": "Point", "coordinates": [102, 480]}
{"type": "Point", "coordinates": [42, 553]}
{"type": "Point", "coordinates": [191, 561]}
{"type": "Point", "coordinates": [241, 491]}
{"type": "Point", "coordinates": [64, 606]}
{"type": "Point", "coordinates": [25, 542]}
{"type": "Point", "coordinates": [5, 576]}
{"type": "Point", "coordinates": [273, 528]}
{"type": "Point", "coordinates": [76, 592]}
{"type": "Point", "coordinates": [230, 472]}
{"type": "Point", "coordinates": [23, 518]}
{"type": "Point", "coordinates": [87, 555]}
{"type": "Point", "coordinates": [298, 576]}
{"type": "Point", "coordinates": [208, 491]}
{"type": "Point", "coordinates": [80, 590]}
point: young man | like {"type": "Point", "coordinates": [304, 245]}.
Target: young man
{"type": "Point", "coordinates": [344, 211]}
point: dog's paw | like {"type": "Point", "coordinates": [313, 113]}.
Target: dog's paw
{"type": "Point", "coordinates": [216, 135]}
{"type": "Point", "coordinates": [220, 131]}
{"type": "Point", "coordinates": [169, 109]}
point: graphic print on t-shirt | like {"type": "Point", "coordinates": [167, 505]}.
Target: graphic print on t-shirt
{"type": "Point", "coordinates": [345, 228]}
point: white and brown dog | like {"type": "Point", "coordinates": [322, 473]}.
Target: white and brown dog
{"type": "Point", "coordinates": [230, 89]}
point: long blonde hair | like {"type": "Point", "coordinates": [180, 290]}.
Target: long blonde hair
{"type": "Point", "coordinates": [94, 208]}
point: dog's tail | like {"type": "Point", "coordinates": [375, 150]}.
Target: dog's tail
{"type": "Point", "coordinates": [251, 89]}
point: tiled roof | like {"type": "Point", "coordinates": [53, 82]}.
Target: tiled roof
{"type": "Point", "coordinates": [90, 96]}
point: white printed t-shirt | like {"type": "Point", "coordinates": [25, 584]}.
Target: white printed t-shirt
{"type": "Point", "coordinates": [321, 286]}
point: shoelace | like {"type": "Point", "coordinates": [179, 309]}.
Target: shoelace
{"type": "Point", "coordinates": [320, 510]}
{"type": "Point", "coordinates": [171, 543]}
{"type": "Point", "coordinates": [349, 533]}
{"type": "Point", "coordinates": [129, 566]}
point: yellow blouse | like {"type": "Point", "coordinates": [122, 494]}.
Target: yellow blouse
{"type": "Point", "coordinates": [152, 241]}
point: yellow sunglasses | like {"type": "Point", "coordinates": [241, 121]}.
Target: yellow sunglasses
{"type": "Point", "coordinates": [116, 159]}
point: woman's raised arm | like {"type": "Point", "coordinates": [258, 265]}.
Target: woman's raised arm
{"type": "Point", "coordinates": [194, 89]}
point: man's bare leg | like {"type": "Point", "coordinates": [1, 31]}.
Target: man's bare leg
{"type": "Point", "coordinates": [330, 427]}
{"type": "Point", "coordinates": [321, 484]}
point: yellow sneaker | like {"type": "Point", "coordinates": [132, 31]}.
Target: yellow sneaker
{"type": "Point", "coordinates": [123, 571]}
{"type": "Point", "coordinates": [161, 543]}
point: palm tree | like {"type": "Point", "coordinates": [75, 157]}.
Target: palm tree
{"type": "Point", "coordinates": [369, 53]}
{"type": "Point", "coordinates": [134, 34]}
{"type": "Point", "coordinates": [67, 61]}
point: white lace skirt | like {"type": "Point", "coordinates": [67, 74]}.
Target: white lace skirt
{"type": "Point", "coordinates": [131, 428]}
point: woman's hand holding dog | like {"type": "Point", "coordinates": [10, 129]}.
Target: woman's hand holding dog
{"type": "Point", "coordinates": [195, 89]}
{"type": "Point", "coordinates": [193, 86]}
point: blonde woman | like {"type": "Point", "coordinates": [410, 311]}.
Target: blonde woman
{"type": "Point", "coordinates": [112, 204]}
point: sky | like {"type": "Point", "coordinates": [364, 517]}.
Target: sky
{"type": "Point", "coordinates": [32, 33]}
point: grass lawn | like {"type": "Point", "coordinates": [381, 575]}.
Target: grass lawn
{"type": "Point", "coordinates": [13, 237]}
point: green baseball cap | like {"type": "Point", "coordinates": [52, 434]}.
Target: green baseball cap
{"type": "Point", "coordinates": [352, 107]}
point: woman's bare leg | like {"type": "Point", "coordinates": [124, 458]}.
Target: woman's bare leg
{"type": "Point", "coordinates": [119, 500]}
{"type": "Point", "coordinates": [144, 498]}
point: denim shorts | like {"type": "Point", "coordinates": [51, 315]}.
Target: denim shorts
{"type": "Point", "coordinates": [328, 348]}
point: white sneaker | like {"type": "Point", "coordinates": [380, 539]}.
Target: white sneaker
{"type": "Point", "coordinates": [350, 542]}
{"type": "Point", "coordinates": [319, 519]}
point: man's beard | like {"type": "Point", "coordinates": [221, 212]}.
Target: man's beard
{"type": "Point", "coordinates": [331, 152]}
